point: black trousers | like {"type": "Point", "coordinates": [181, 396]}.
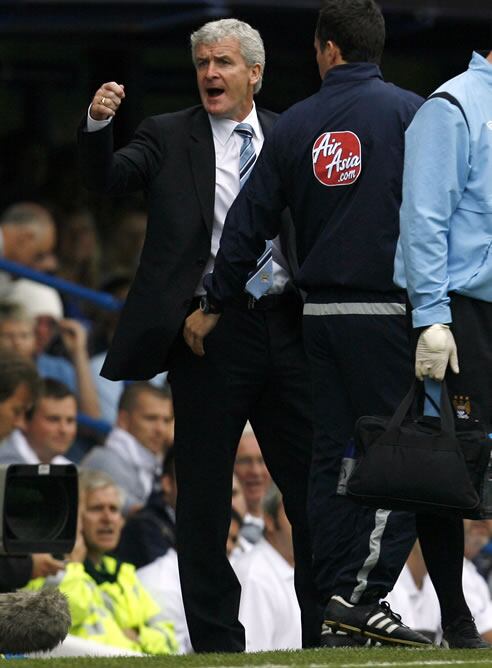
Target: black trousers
{"type": "Point", "coordinates": [470, 391]}
{"type": "Point", "coordinates": [254, 368]}
{"type": "Point", "coordinates": [360, 365]}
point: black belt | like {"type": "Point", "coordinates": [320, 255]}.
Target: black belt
{"type": "Point", "coordinates": [265, 303]}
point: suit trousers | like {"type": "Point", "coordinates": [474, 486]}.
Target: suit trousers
{"type": "Point", "coordinates": [360, 365]}
{"type": "Point", "coordinates": [254, 368]}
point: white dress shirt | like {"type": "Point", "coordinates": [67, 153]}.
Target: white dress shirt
{"type": "Point", "coordinates": [269, 610]}
{"type": "Point", "coordinates": [477, 595]}
{"type": "Point", "coordinates": [147, 464]}
{"type": "Point", "coordinates": [419, 608]}
{"type": "Point", "coordinates": [21, 451]}
{"type": "Point", "coordinates": [161, 579]}
{"type": "Point", "coordinates": [227, 145]}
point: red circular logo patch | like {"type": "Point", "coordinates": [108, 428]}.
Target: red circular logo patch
{"type": "Point", "coordinates": [337, 158]}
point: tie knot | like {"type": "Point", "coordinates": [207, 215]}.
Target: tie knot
{"type": "Point", "coordinates": [244, 129]}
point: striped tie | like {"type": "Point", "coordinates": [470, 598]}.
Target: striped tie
{"type": "Point", "coordinates": [262, 278]}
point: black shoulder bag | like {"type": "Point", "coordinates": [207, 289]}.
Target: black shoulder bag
{"type": "Point", "coordinates": [413, 462]}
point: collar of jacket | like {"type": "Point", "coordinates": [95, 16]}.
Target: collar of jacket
{"type": "Point", "coordinates": [158, 503]}
{"type": "Point", "coordinates": [479, 63]}
{"type": "Point", "coordinates": [107, 571]}
{"type": "Point", "coordinates": [351, 72]}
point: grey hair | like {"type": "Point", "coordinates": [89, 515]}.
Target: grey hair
{"type": "Point", "coordinates": [26, 213]}
{"type": "Point", "coordinates": [91, 479]}
{"type": "Point", "coordinates": [12, 311]}
{"type": "Point", "coordinates": [250, 42]}
{"type": "Point", "coordinates": [272, 501]}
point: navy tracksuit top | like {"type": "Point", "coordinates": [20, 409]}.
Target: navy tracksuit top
{"type": "Point", "coordinates": [336, 160]}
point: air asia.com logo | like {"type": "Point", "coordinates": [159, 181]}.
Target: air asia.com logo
{"type": "Point", "coordinates": [337, 158]}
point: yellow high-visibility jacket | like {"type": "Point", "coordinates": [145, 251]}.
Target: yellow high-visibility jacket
{"type": "Point", "coordinates": [102, 611]}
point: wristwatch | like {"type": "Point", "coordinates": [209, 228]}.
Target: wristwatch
{"type": "Point", "coordinates": [209, 306]}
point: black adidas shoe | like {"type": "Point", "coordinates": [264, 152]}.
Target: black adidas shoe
{"type": "Point", "coordinates": [376, 621]}
{"type": "Point", "coordinates": [463, 634]}
{"type": "Point", "coordinates": [332, 638]}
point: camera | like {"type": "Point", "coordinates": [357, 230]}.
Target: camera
{"type": "Point", "coordinates": [38, 508]}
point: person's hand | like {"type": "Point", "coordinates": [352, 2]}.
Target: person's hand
{"type": "Point", "coordinates": [131, 634]}
{"type": "Point", "coordinates": [44, 565]}
{"type": "Point", "coordinates": [197, 326]}
{"type": "Point", "coordinates": [106, 101]}
{"type": "Point", "coordinates": [435, 349]}
{"type": "Point", "coordinates": [79, 552]}
{"type": "Point", "coordinates": [73, 335]}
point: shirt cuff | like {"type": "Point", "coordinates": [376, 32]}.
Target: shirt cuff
{"type": "Point", "coordinates": [425, 317]}
{"type": "Point", "coordinates": [209, 284]}
{"type": "Point", "coordinates": [93, 125]}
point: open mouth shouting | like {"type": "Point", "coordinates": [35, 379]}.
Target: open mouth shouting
{"type": "Point", "coordinates": [214, 91]}
{"type": "Point", "coordinates": [107, 536]}
{"type": "Point", "coordinates": [225, 80]}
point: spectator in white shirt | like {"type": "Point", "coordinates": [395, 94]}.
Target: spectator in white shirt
{"type": "Point", "coordinates": [477, 593]}
{"type": "Point", "coordinates": [161, 579]}
{"type": "Point", "coordinates": [251, 470]}
{"type": "Point", "coordinates": [239, 506]}
{"type": "Point", "coordinates": [133, 451]}
{"type": "Point", "coordinates": [415, 598]}
{"type": "Point", "coordinates": [269, 610]}
{"type": "Point", "coordinates": [49, 431]}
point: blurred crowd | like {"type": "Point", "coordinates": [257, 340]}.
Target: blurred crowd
{"type": "Point", "coordinates": [122, 578]}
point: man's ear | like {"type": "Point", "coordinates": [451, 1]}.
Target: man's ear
{"type": "Point", "coordinates": [255, 74]}
{"type": "Point", "coordinates": [334, 54]}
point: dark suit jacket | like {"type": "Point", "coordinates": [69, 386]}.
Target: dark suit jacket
{"type": "Point", "coordinates": [148, 533]}
{"type": "Point", "coordinates": [172, 158]}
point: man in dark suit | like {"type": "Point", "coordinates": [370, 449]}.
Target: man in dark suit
{"type": "Point", "coordinates": [327, 158]}
{"type": "Point", "coordinates": [253, 364]}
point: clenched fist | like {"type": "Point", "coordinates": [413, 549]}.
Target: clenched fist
{"type": "Point", "coordinates": [106, 101]}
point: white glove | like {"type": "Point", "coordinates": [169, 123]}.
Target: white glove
{"type": "Point", "coordinates": [435, 348]}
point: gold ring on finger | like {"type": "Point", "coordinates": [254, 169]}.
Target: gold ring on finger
{"type": "Point", "coordinates": [103, 99]}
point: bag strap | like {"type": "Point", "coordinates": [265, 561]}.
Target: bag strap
{"type": "Point", "coordinates": [450, 98]}
{"type": "Point", "coordinates": [417, 389]}
{"type": "Point", "coordinates": [405, 405]}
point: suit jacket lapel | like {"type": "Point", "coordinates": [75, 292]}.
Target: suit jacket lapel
{"type": "Point", "coordinates": [202, 156]}
{"type": "Point", "coordinates": [266, 121]}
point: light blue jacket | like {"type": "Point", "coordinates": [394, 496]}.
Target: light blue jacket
{"type": "Point", "coordinates": [446, 213]}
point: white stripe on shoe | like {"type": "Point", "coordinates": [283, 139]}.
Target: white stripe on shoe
{"type": "Point", "coordinates": [376, 617]}
{"type": "Point", "coordinates": [381, 621]}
